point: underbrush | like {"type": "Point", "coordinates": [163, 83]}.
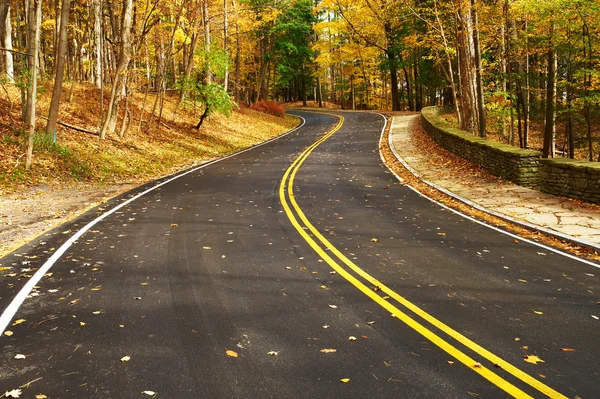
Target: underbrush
{"type": "Point", "coordinates": [269, 107]}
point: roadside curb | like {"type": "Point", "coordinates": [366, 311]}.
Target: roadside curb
{"type": "Point", "coordinates": [556, 234]}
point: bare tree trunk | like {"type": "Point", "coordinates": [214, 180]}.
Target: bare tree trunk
{"type": "Point", "coordinates": [96, 5]}
{"type": "Point", "coordinates": [34, 16]}
{"type": "Point", "coordinates": [59, 68]}
{"type": "Point", "coordinates": [226, 42]}
{"type": "Point", "coordinates": [6, 41]}
{"type": "Point", "coordinates": [118, 82]}
{"type": "Point", "coordinates": [549, 123]}
{"type": "Point", "coordinates": [207, 38]}
{"type": "Point", "coordinates": [467, 95]}
{"type": "Point", "coordinates": [481, 128]}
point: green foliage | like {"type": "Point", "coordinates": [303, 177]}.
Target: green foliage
{"type": "Point", "coordinates": [215, 99]}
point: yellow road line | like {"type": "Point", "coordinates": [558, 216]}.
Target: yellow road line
{"type": "Point", "coordinates": [497, 380]}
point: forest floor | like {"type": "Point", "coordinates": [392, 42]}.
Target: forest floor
{"type": "Point", "coordinates": [80, 171]}
{"type": "Point", "coordinates": [536, 135]}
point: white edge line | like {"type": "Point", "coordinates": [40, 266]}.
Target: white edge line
{"type": "Point", "coordinates": [18, 300]}
{"type": "Point", "coordinates": [477, 206]}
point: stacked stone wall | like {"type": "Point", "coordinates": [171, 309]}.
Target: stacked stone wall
{"type": "Point", "coordinates": [509, 162]}
{"type": "Point", "coordinates": [559, 176]}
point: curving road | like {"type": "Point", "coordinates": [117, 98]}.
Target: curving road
{"type": "Point", "coordinates": [297, 269]}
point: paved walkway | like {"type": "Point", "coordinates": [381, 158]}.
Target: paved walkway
{"type": "Point", "coordinates": [554, 213]}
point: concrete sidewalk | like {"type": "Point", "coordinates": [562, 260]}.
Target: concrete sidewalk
{"type": "Point", "coordinates": [544, 211]}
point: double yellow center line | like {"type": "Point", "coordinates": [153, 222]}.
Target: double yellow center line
{"type": "Point", "coordinates": [301, 223]}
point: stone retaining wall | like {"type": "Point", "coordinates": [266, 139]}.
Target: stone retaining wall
{"type": "Point", "coordinates": [560, 176]}
{"type": "Point", "coordinates": [509, 162]}
{"type": "Point", "coordinates": [571, 178]}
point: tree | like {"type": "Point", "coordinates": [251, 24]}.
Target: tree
{"type": "Point", "coordinates": [59, 69]}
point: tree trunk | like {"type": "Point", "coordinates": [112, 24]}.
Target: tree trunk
{"type": "Point", "coordinates": [7, 65]}
{"type": "Point", "coordinates": [34, 16]}
{"type": "Point", "coordinates": [393, 80]}
{"type": "Point", "coordinates": [118, 82]}
{"type": "Point", "coordinates": [481, 129]}
{"type": "Point", "coordinates": [59, 68]}
{"type": "Point", "coordinates": [549, 122]}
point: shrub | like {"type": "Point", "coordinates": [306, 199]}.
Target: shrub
{"type": "Point", "coordinates": [269, 107]}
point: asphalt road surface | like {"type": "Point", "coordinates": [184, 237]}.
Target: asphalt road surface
{"type": "Point", "coordinates": [298, 269]}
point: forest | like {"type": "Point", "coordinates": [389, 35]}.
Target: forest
{"type": "Point", "coordinates": [523, 72]}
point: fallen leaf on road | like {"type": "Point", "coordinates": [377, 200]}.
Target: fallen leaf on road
{"type": "Point", "coordinates": [523, 281]}
{"type": "Point", "coordinates": [15, 393]}
{"type": "Point", "coordinates": [532, 359]}
{"type": "Point", "coordinates": [351, 338]}
{"type": "Point", "coordinates": [206, 248]}
{"type": "Point", "coordinates": [441, 234]}
{"type": "Point", "coordinates": [333, 306]}
{"type": "Point", "coordinates": [364, 337]}
{"type": "Point", "coordinates": [273, 353]}
{"type": "Point", "coordinates": [450, 362]}
{"type": "Point", "coordinates": [567, 349]}
{"type": "Point", "coordinates": [41, 396]}
{"type": "Point", "coordinates": [137, 298]}
{"type": "Point", "coordinates": [517, 339]}
{"type": "Point", "coordinates": [370, 323]}
{"type": "Point", "coordinates": [125, 359]}
{"type": "Point", "coordinates": [174, 225]}
{"type": "Point", "coordinates": [595, 317]}
{"type": "Point", "coordinates": [477, 364]}
{"type": "Point", "coordinates": [345, 380]}
{"type": "Point", "coordinates": [19, 356]}
{"type": "Point", "coordinates": [97, 312]}
{"type": "Point", "coordinates": [328, 350]}
{"type": "Point", "coordinates": [323, 287]}
{"type": "Point", "coordinates": [82, 323]}
{"type": "Point", "coordinates": [149, 393]}
{"type": "Point", "coordinates": [326, 326]}
{"type": "Point", "coordinates": [537, 312]}
{"type": "Point", "coordinates": [374, 239]}
{"type": "Point", "coordinates": [288, 268]}
{"type": "Point", "coordinates": [8, 333]}
{"type": "Point", "coordinates": [20, 321]}
{"type": "Point", "coordinates": [231, 353]}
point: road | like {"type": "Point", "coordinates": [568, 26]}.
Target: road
{"type": "Point", "coordinates": [298, 269]}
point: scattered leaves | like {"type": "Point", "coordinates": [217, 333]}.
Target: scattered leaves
{"type": "Point", "coordinates": [532, 359]}
{"type": "Point", "coordinates": [328, 350]}
{"type": "Point", "coordinates": [231, 353]}
{"type": "Point", "coordinates": [15, 393]}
